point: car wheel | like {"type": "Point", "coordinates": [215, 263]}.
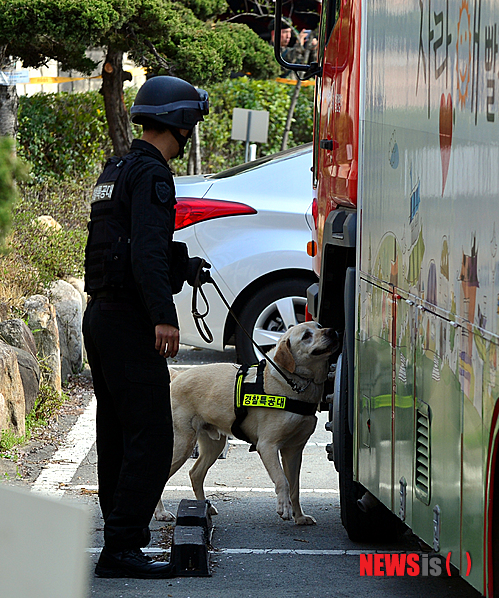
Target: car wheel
{"type": "Point", "coordinates": [268, 314]}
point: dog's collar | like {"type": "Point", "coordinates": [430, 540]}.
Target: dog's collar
{"type": "Point", "coordinates": [294, 384]}
{"type": "Point", "coordinates": [295, 387]}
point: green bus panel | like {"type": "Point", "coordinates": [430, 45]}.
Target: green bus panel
{"type": "Point", "coordinates": [438, 425]}
{"type": "Point", "coordinates": [403, 377]}
{"type": "Point", "coordinates": [374, 365]}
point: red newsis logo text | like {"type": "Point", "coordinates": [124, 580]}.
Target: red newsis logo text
{"type": "Point", "coordinates": [413, 564]}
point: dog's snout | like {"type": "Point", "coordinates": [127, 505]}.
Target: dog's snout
{"type": "Point", "coordinates": [333, 338]}
{"type": "Point", "coordinates": [331, 333]}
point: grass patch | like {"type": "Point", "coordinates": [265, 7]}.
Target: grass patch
{"type": "Point", "coordinates": [48, 403]}
{"type": "Point", "coordinates": [36, 254]}
{"type": "Point", "coordinates": [8, 440]}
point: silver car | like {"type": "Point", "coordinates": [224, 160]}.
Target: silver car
{"type": "Point", "coordinates": [251, 224]}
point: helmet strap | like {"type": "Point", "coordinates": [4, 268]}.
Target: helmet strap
{"type": "Point", "coordinates": [181, 140]}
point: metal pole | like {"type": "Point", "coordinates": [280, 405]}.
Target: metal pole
{"type": "Point", "coordinates": [248, 129]}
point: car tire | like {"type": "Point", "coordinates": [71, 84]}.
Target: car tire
{"type": "Point", "coordinates": [268, 314]}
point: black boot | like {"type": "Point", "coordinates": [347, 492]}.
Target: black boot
{"type": "Point", "coordinates": [131, 563]}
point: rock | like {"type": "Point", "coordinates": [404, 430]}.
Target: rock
{"type": "Point", "coordinates": [68, 304]}
{"type": "Point", "coordinates": [79, 285]}
{"type": "Point", "coordinates": [42, 320]}
{"type": "Point", "coordinates": [47, 222]}
{"type": "Point", "coordinates": [5, 311]}
{"type": "Point", "coordinates": [30, 377]}
{"type": "Point", "coordinates": [17, 334]}
{"type": "Point", "coordinates": [66, 369]}
{"type": "Point", "coordinates": [12, 406]}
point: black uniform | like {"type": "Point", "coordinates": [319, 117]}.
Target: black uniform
{"type": "Point", "coordinates": [127, 274]}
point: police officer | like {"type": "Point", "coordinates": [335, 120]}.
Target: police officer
{"type": "Point", "coordinates": [130, 325]}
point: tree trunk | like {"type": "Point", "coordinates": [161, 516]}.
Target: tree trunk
{"type": "Point", "coordinates": [118, 121]}
{"type": "Point", "coordinates": [194, 163]}
{"type": "Point", "coordinates": [291, 111]}
{"type": "Point", "coordinates": [294, 98]}
{"type": "Point", "coordinates": [9, 100]}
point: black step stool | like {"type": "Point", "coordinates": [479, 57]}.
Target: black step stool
{"type": "Point", "coordinates": [195, 513]}
{"type": "Point", "coordinates": [191, 537]}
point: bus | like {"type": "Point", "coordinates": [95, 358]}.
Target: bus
{"type": "Point", "coordinates": [406, 215]}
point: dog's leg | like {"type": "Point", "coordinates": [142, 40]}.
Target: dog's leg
{"type": "Point", "coordinates": [209, 450]}
{"type": "Point", "coordinates": [291, 462]}
{"type": "Point", "coordinates": [185, 441]}
{"type": "Point", "coordinates": [270, 457]}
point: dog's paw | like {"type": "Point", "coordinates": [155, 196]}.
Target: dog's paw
{"type": "Point", "coordinates": [284, 510]}
{"type": "Point", "coordinates": [163, 515]}
{"type": "Point", "coordinates": [305, 520]}
{"type": "Point", "coordinates": [212, 510]}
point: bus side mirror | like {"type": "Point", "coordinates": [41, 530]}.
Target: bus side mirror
{"type": "Point", "coordinates": [311, 69]}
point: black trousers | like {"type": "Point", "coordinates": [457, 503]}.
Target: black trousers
{"type": "Point", "coordinates": [134, 420]}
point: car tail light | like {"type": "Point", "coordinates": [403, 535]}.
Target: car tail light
{"type": "Point", "coordinates": [191, 210]}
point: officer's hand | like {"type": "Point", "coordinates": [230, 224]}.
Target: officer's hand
{"type": "Point", "coordinates": [167, 340]}
{"type": "Point", "coordinates": [195, 273]}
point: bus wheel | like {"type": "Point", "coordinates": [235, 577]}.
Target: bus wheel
{"type": "Point", "coordinates": [378, 524]}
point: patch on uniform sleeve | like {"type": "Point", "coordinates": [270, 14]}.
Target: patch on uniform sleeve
{"type": "Point", "coordinates": [163, 191]}
{"type": "Point", "coordinates": [102, 192]}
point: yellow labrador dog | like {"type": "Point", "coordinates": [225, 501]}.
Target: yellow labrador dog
{"type": "Point", "coordinates": [203, 412]}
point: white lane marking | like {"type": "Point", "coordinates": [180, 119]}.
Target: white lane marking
{"type": "Point", "coordinates": [66, 460]}
{"type": "Point", "coordinates": [258, 551]}
{"type": "Point", "coordinates": [221, 489]}
{"type": "Point", "coordinates": [235, 441]}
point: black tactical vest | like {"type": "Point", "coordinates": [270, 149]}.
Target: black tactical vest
{"type": "Point", "coordinates": [107, 254]}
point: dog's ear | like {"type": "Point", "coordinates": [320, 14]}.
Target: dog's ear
{"type": "Point", "coordinates": [284, 357]}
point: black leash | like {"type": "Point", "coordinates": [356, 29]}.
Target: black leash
{"type": "Point", "coordinates": [201, 325]}
{"type": "Point", "coordinates": [205, 333]}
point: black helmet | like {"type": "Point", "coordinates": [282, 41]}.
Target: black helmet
{"type": "Point", "coordinates": [170, 101]}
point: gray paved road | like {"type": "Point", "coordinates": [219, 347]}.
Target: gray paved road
{"type": "Point", "coordinates": [256, 555]}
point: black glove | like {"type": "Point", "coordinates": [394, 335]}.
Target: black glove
{"type": "Point", "coordinates": [195, 275]}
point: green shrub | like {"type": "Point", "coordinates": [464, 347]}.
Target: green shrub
{"type": "Point", "coordinates": [219, 151]}
{"type": "Point", "coordinates": [10, 169]}
{"type": "Point", "coordinates": [65, 135]}
{"type": "Point", "coordinates": [47, 253]}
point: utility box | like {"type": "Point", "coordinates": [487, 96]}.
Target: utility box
{"type": "Point", "coordinates": [43, 545]}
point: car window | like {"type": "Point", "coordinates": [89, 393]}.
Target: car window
{"type": "Point", "coordinates": [284, 155]}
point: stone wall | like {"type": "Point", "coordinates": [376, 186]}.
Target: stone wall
{"type": "Point", "coordinates": [47, 345]}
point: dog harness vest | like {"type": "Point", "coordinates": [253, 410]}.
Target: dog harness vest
{"type": "Point", "coordinates": [249, 392]}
